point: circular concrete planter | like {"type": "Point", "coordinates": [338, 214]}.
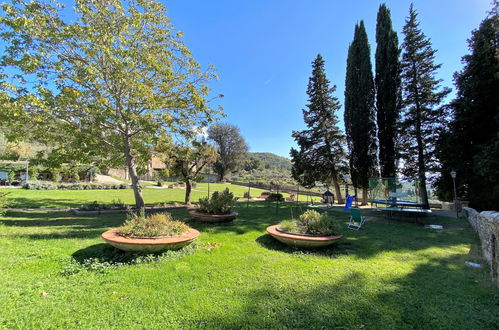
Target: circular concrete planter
{"type": "Point", "coordinates": [213, 218]}
{"type": "Point", "coordinates": [303, 241]}
{"type": "Point", "coordinates": [149, 244]}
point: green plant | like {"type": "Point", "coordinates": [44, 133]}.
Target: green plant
{"type": "Point", "coordinates": [12, 176]}
{"type": "Point", "coordinates": [55, 174]}
{"type": "Point", "coordinates": [33, 173]}
{"type": "Point", "coordinates": [312, 222]}
{"type": "Point", "coordinates": [154, 225]}
{"type": "Point", "coordinates": [246, 195]}
{"type": "Point", "coordinates": [275, 197]}
{"type": "Point", "coordinates": [219, 203]}
{"type": "Point", "coordinates": [3, 202]}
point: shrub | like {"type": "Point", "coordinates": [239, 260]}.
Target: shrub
{"type": "Point", "coordinates": [219, 203]}
{"type": "Point", "coordinates": [275, 197]}
{"type": "Point", "coordinates": [12, 176]}
{"type": "Point", "coordinates": [3, 202]}
{"type": "Point", "coordinates": [154, 225]}
{"type": "Point", "coordinates": [95, 206]}
{"type": "Point", "coordinates": [45, 185]}
{"type": "Point", "coordinates": [312, 222]}
{"type": "Point", "coordinates": [246, 195]}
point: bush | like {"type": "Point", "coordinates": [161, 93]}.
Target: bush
{"type": "Point", "coordinates": [246, 195]}
{"type": "Point", "coordinates": [95, 206]}
{"type": "Point", "coordinates": [45, 185]}
{"type": "Point", "coordinates": [219, 203]}
{"type": "Point", "coordinates": [275, 197]}
{"type": "Point", "coordinates": [154, 225]}
{"type": "Point", "coordinates": [312, 222]}
{"type": "Point", "coordinates": [3, 202]}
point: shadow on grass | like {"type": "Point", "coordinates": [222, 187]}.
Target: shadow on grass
{"type": "Point", "coordinates": [438, 294]}
{"type": "Point", "coordinates": [106, 253]}
{"type": "Point", "coordinates": [337, 249]}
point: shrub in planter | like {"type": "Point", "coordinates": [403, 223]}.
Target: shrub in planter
{"type": "Point", "coordinates": [312, 222]}
{"type": "Point", "coordinates": [154, 225]}
{"type": "Point", "coordinates": [275, 197]}
{"type": "Point", "coordinates": [246, 195]}
{"type": "Point", "coordinates": [219, 203]}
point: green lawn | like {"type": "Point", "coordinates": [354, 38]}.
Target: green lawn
{"type": "Point", "coordinates": [386, 276]}
{"type": "Point", "coordinates": [22, 198]}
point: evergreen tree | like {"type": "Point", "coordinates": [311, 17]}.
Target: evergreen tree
{"type": "Point", "coordinates": [360, 115]}
{"type": "Point", "coordinates": [470, 145]}
{"type": "Point", "coordinates": [322, 155]}
{"type": "Point", "coordinates": [423, 117]}
{"type": "Point", "coordinates": [388, 94]}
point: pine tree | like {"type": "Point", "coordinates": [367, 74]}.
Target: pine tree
{"type": "Point", "coordinates": [322, 155]}
{"type": "Point", "coordinates": [388, 94]}
{"type": "Point", "coordinates": [360, 114]}
{"type": "Point", "coordinates": [470, 145]}
{"type": "Point", "coordinates": [423, 117]}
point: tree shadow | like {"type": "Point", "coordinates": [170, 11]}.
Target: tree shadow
{"type": "Point", "coordinates": [107, 253]}
{"type": "Point", "coordinates": [437, 294]}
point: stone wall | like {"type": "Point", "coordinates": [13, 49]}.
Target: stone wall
{"type": "Point", "coordinates": [487, 226]}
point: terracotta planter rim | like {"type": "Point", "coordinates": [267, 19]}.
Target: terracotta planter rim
{"type": "Point", "coordinates": [113, 236]}
{"type": "Point", "coordinates": [272, 230]}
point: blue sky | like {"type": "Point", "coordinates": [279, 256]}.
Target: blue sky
{"type": "Point", "coordinates": [263, 50]}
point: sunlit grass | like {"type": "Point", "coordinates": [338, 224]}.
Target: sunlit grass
{"type": "Point", "coordinates": [388, 275]}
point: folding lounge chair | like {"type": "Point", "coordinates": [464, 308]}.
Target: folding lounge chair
{"type": "Point", "coordinates": [356, 219]}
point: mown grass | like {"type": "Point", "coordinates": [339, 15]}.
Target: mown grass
{"type": "Point", "coordinates": [389, 275]}
{"type": "Point", "coordinates": [22, 198]}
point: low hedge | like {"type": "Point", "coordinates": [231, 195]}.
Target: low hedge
{"type": "Point", "coordinates": [73, 186]}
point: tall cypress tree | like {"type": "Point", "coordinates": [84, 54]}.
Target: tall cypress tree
{"type": "Point", "coordinates": [470, 145]}
{"type": "Point", "coordinates": [322, 155]}
{"type": "Point", "coordinates": [388, 94]}
{"type": "Point", "coordinates": [360, 115]}
{"type": "Point", "coordinates": [423, 117]}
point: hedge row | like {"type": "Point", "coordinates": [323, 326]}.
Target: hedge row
{"type": "Point", "coordinates": [73, 186]}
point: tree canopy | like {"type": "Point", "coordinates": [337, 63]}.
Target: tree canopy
{"type": "Point", "coordinates": [423, 115]}
{"type": "Point", "coordinates": [232, 149]}
{"type": "Point", "coordinates": [360, 115]}
{"type": "Point", "coordinates": [321, 156]}
{"type": "Point", "coordinates": [106, 85]}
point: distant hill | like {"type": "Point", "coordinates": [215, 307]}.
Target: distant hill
{"type": "Point", "coordinates": [272, 161]}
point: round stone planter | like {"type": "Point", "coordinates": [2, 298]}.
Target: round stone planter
{"type": "Point", "coordinates": [149, 244]}
{"type": "Point", "coordinates": [302, 241]}
{"type": "Point", "coordinates": [213, 218]}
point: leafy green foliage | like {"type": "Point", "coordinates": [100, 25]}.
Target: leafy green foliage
{"type": "Point", "coordinates": [275, 197]}
{"type": "Point", "coordinates": [321, 155]}
{"type": "Point", "coordinates": [219, 203]}
{"type": "Point", "coordinates": [96, 206]}
{"type": "Point", "coordinates": [423, 114]}
{"type": "Point", "coordinates": [232, 149]}
{"type": "Point", "coordinates": [470, 142]}
{"type": "Point", "coordinates": [312, 222]}
{"type": "Point", "coordinates": [388, 92]}
{"type": "Point", "coordinates": [360, 115]}
{"type": "Point", "coordinates": [3, 202]}
{"type": "Point", "coordinates": [104, 84]}
{"type": "Point", "coordinates": [45, 185]}
{"type": "Point", "coordinates": [154, 225]}
{"type": "Point", "coordinates": [188, 161]}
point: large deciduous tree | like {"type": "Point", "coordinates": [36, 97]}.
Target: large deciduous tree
{"type": "Point", "coordinates": [321, 157]}
{"type": "Point", "coordinates": [187, 160]}
{"type": "Point", "coordinates": [388, 93]}
{"type": "Point", "coordinates": [232, 149]}
{"type": "Point", "coordinates": [105, 83]}
{"type": "Point", "coordinates": [423, 115]}
{"type": "Point", "coordinates": [470, 144]}
{"type": "Point", "coordinates": [360, 114]}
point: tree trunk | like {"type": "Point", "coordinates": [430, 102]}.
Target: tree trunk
{"type": "Point", "coordinates": [188, 189]}
{"type": "Point", "coordinates": [132, 171]}
{"type": "Point", "coordinates": [421, 160]}
{"type": "Point", "coordinates": [364, 196]}
{"type": "Point", "coordinates": [338, 191]}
